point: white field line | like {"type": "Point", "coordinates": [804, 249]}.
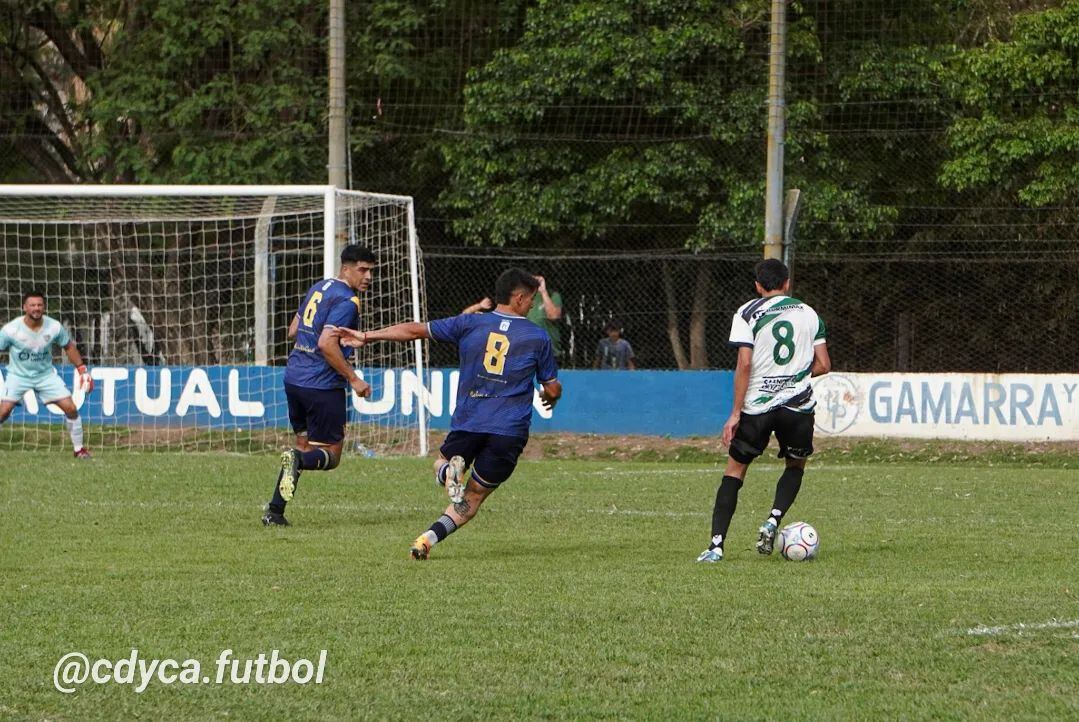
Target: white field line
{"type": "Point", "coordinates": [984, 631]}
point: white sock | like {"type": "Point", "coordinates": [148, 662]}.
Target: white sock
{"type": "Point", "coordinates": [430, 537]}
{"type": "Point", "coordinates": [74, 427]}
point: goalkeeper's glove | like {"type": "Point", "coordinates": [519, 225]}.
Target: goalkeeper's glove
{"type": "Point", "coordinates": [86, 381]}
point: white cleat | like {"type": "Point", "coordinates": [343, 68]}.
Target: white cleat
{"type": "Point", "coordinates": [711, 556]}
{"type": "Point", "coordinates": [766, 538]}
{"type": "Point", "coordinates": [455, 485]}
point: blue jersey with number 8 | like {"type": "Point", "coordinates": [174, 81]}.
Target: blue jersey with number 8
{"type": "Point", "coordinates": [502, 356]}
{"type": "Point", "coordinates": [329, 302]}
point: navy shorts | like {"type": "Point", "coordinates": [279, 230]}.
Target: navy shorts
{"type": "Point", "coordinates": [793, 430]}
{"type": "Point", "coordinates": [493, 457]}
{"type": "Point", "coordinates": [321, 413]}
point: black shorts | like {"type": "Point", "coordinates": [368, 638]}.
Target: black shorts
{"type": "Point", "coordinates": [793, 430]}
{"type": "Point", "coordinates": [322, 413]}
{"type": "Point", "coordinates": [493, 457]}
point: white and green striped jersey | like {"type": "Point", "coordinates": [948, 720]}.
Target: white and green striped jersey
{"type": "Point", "coordinates": [782, 332]}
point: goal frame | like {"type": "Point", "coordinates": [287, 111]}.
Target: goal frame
{"type": "Point", "coordinates": [329, 239]}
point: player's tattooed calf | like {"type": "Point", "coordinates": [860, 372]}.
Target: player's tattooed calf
{"type": "Point", "coordinates": [462, 507]}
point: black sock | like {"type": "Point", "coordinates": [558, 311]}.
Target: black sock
{"type": "Point", "coordinates": [790, 481]}
{"type": "Point", "coordinates": [277, 503]}
{"type": "Point", "coordinates": [314, 459]}
{"type": "Point", "coordinates": [443, 527]}
{"type": "Point", "coordinates": [726, 503]}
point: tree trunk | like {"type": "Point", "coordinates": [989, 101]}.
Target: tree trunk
{"type": "Point", "coordinates": [698, 320]}
{"type": "Point", "coordinates": [672, 318]}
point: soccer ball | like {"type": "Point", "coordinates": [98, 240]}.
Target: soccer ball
{"type": "Point", "coordinates": [798, 542]}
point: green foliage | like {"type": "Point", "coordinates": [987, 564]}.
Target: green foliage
{"type": "Point", "coordinates": [613, 112]}
{"type": "Point", "coordinates": [213, 91]}
{"type": "Point", "coordinates": [1020, 123]}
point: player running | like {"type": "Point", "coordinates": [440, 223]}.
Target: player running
{"type": "Point", "coordinates": [318, 375]}
{"type": "Point", "coordinates": [501, 352]}
{"type": "Point", "coordinates": [29, 341]}
{"type": "Point", "coordinates": [781, 343]}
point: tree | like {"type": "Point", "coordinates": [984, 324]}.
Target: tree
{"type": "Point", "coordinates": [648, 115]}
{"type": "Point", "coordinates": [1019, 125]}
{"type": "Point", "coordinates": [166, 91]}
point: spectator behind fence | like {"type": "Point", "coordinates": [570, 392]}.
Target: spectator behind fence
{"type": "Point", "coordinates": [546, 312]}
{"type": "Point", "coordinates": [480, 306]}
{"type": "Point", "coordinates": [614, 352]}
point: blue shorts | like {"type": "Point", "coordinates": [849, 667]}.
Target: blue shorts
{"type": "Point", "coordinates": [321, 413]}
{"type": "Point", "coordinates": [493, 457]}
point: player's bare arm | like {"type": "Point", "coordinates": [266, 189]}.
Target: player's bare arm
{"type": "Point", "coordinates": [741, 386]}
{"type": "Point", "coordinates": [330, 346]}
{"type": "Point", "coordinates": [401, 332]}
{"type": "Point", "coordinates": [551, 393]}
{"type": "Point", "coordinates": [822, 362]}
{"type": "Point", "coordinates": [294, 327]}
{"type": "Point", "coordinates": [73, 355]}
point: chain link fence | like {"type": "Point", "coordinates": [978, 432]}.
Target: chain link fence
{"type": "Point", "coordinates": [964, 307]}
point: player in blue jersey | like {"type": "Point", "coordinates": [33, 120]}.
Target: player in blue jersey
{"type": "Point", "coordinates": [29, 340]}
{"type": "Point", "coordinates": [318, 376]}
{"type": "Point", "coordinates": [502, 354]}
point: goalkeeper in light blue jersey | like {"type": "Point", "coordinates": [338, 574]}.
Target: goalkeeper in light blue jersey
{"type": "Point", "coordinates": [29, 340]}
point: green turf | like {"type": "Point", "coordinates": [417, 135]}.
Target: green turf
{"type": "Point", "coordinates": [574, 593]}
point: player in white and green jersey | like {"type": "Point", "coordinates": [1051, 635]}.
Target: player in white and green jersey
{"type": "Point", "coordinates": [29, 341]}
{"type": "Point", "coordinates": [781, 343]}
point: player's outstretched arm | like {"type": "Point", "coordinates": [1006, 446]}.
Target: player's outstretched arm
{"type": "Point", "coordinates": [401, 332]}
{"type": "Point", "coordinates": [551, 393]}
{"type": "Point", "coordinates": [73, 355]}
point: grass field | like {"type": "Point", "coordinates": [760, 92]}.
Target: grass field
{"type": "Point", "coordinates": [943, 591]}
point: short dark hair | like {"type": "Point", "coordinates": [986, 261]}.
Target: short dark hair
{"type": "Point", "coordinates": [354, 254]}
{"type": "Point", "coordinates": [33, 293]}
{"type": "Point", "coordinates": [612, 325]}
{"type": "Point", "coordinates": [513, 280]}
{"type": "Point", "coordinates": [771, 274]}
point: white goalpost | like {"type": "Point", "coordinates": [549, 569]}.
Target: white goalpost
{"type": "Point", "coordinates": [179, 298]}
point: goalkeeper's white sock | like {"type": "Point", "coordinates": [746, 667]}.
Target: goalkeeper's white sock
{"type": "Point", "coordinates": [74, 427]}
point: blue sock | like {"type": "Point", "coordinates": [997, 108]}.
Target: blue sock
{"type": "Point", "coordinates": [315, 459]}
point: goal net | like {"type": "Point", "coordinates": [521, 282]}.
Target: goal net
{"type": "Point", "coordinates": [180, 297]}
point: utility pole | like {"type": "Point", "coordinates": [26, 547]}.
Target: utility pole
{"type": "Point", "coordinates": [338, 132]}
{"type": "Point", "coordinates": [777, 129]}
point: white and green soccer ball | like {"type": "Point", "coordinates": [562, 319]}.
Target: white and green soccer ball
{"type": "Point", "coordinates": [798, 542]}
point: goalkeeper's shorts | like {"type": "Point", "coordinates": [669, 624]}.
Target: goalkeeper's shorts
{"type": "Point", "coordinates": [49, 387]}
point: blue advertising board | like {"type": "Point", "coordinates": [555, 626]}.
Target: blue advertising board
{"type": "Point", "coordinates": [675, 403]}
